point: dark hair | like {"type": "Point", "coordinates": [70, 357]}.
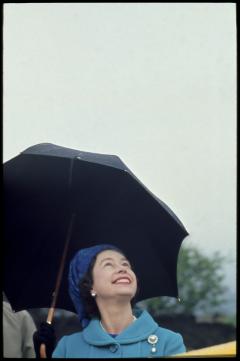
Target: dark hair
{"type": "Point", "coordinates": [85, 287]}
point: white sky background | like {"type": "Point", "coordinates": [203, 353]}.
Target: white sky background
{"type": "Point", "coordinates": [152, 83]}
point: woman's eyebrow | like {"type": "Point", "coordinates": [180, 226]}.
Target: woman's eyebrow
{"type": "Point", "coordinates": [105, 259]}
{"type": "Point", "coordinates": [110, 258]}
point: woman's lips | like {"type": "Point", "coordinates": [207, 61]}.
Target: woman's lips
{"type": "Point", "coordinates": [123, 280]}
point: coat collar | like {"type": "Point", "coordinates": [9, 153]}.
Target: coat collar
{"type": "Point", "coordinates": [137, 331]}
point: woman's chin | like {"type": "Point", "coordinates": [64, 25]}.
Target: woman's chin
{"type": "Point", "coordinates": [125, 293]}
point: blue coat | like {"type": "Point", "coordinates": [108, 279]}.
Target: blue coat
{"type": "Point", "coordinates": [94, 342]}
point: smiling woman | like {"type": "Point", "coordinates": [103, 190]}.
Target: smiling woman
{"type": "Point", "coordinates": [102, 267]}
{"type": "Point", "coordinates": [102, 286]}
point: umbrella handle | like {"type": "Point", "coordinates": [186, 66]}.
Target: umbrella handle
{"type": "Point", "coordinates": [43, 353]}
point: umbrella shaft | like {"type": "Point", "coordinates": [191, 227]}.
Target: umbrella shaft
{"type": "Point", "coordinates": [50, 314]}
{"type": "Point", "coordinates": [60, 272]}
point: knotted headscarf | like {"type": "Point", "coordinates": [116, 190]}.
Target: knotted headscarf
{"type": "Point", "coordinates": [77, 270]}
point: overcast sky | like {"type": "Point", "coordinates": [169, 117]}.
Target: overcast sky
{"type": "Point", "coordinates": [152, 83]}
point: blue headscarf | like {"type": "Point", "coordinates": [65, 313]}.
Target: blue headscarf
{"type": "Point", "coordinates": [77, 270]}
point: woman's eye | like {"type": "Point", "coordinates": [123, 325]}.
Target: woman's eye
{"type": "Point", "coordinates": [126, 264]}
{"type": "Point", "coordinates": [108, 264]}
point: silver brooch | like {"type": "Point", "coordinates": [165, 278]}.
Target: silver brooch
{"type": "Point", "coordinates": [153, 339]}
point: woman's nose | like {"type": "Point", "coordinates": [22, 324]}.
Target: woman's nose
{"type": "Point", "coordinates": [121, 269]}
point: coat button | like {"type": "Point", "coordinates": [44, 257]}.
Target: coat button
{"type": "Point", "coordinates": [113, 348]}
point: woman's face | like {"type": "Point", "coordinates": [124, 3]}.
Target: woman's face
{"type": "Point", "coordinates": [113, 276]}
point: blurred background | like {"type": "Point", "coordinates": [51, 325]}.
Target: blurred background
{"type": "Point", "coordinates": [154, 84]}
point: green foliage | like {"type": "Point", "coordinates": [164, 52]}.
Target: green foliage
{"type": "Point", "coordinates": [199, 282]}
{"type": "Point", "coordinates": [227, 320]}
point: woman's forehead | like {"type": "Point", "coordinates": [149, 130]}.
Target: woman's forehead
{"type": "Point", "coordinates": [110, 254]}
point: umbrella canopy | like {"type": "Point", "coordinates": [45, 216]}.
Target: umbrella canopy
{"type": "Point", "coordinates": [44, 186]}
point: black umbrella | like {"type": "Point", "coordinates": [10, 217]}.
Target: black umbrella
{"type": "Point", "coordinates": [53, 193]}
